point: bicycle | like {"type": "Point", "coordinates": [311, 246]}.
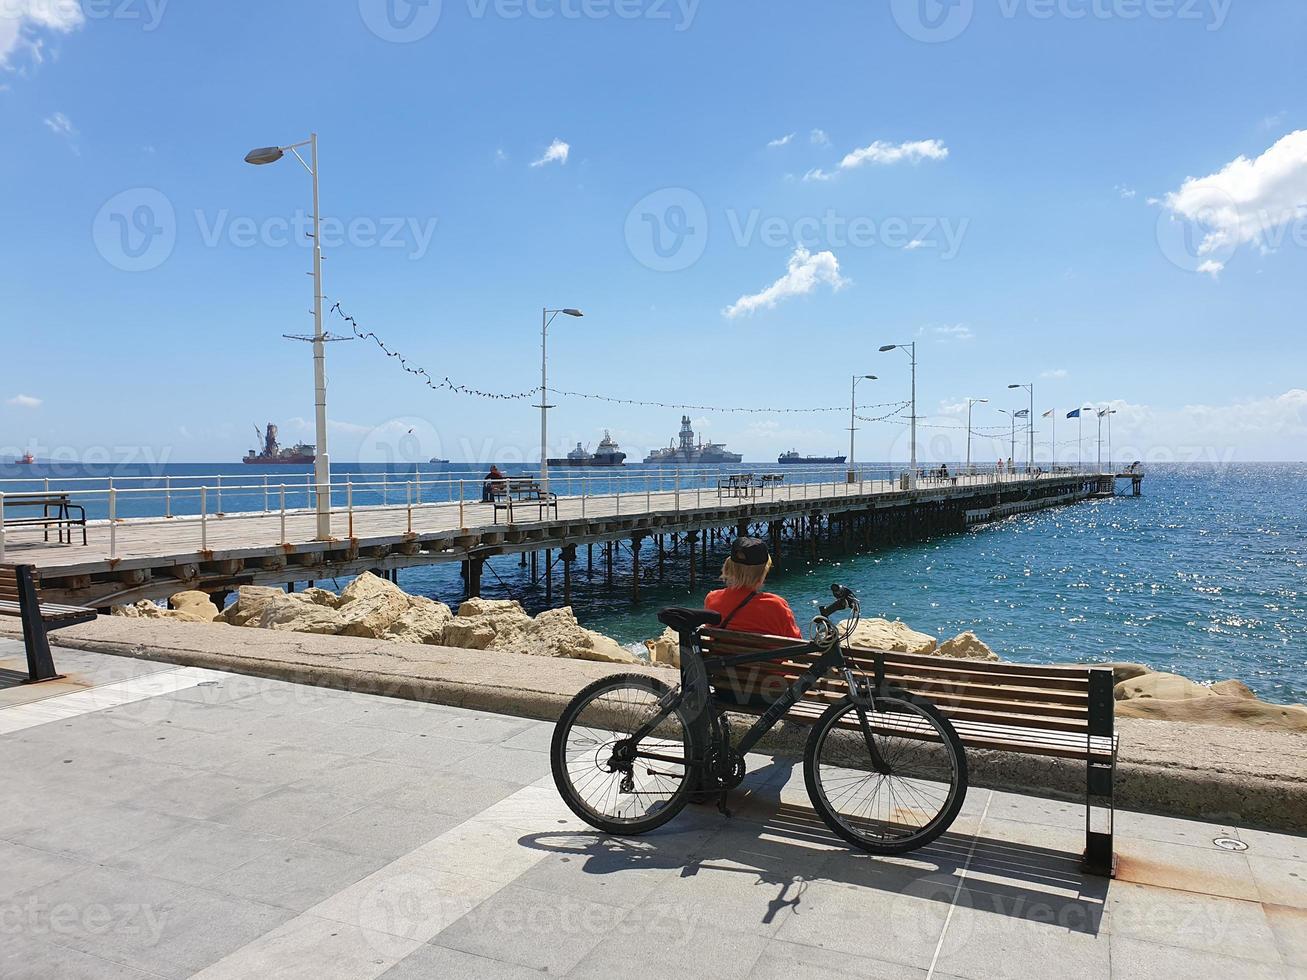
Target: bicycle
{"type": "Point", "coordinates": [884, 768]}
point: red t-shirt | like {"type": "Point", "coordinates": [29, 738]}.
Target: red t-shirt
{"type": "Point", "coordinates": [765, 613]}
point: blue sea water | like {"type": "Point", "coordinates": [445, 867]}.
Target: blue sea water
{"type": "Point", "coordinates": [1205, 574]}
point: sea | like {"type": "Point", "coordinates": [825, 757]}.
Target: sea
{"type": "Point", "coordinates": [1205, 574]}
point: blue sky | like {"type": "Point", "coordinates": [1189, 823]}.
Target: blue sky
{"type": "Point", "coordinates": [1030, 189]}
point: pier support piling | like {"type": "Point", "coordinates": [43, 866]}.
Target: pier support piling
{"type": "Point", "coordinates": [568, 555]}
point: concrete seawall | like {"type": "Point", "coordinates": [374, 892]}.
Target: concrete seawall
{"type": "Point", "coordinates": [1245, 777]}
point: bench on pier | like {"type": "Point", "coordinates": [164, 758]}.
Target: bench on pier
{"type": "Point", "coordinates": [507, 495]}
{"type": "Point", "coordinates": [1053, 712]}
{"type": "Point", "coordinates": [736, 485]}
{"type": "Point", "coordinates": [20, 596]}
{"type": "Point", "coordinates": [57, 511]}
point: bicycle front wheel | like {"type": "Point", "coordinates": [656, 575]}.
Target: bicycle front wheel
{"type": "Point", "coordinates": [888, 779]}
{"type": "Point", "coordinates": [610, 783]}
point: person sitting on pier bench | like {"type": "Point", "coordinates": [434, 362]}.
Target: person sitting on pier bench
{"type": "Point", "coordinates": [741, 605]}
{"type": "Point", "coordinates": [495, 480]}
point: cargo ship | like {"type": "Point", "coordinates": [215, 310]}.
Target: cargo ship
{"type": "Point", "coordinates": [274, 455]}
{"type": "Point", "coordinates": [688, 451]}
{"type": "Point", "coordinates": [793, 457]}
{"type": "Point", "coordinates": [608, 454]}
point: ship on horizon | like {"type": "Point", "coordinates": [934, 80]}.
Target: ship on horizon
{"type": "Point", "coordinates": [273, 455]}
{"type": "Point", "coordinates": [793, 457]}
{"type": "Point", "coordinates": [608, 454]}
{"type": "Point", "coordinates": [688, 451]}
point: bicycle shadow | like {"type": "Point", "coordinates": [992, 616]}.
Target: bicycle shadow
{"type": "Point", "coordinates": [784, 845]}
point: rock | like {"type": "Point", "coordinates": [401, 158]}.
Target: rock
{"type": "Point", "coordinates": [556, 633]}
{"type": "Point", "coordinates": [144, 609]}
{"type": "Point", "coordinates": [371, 615]}
{"type": "Point", "coordinates": [266, 608]}
{"type": "Point", "coordinates": [966, 646]}
{"type": "Point", "coordinates": [1233, 689]}
{"type": "Point", "coordinates": [490, 607]}
{"type": "Point", "coordinates": [1230, 712]}
{"type": "Point", "coordinates": [895, 636]}
{"type": "Point", "coordinates": [665, 651]}
{"type": "Point", "coordinates": [249, 604]}
{"type": "Point", "coordinates": [322, 597]}
{"type": "Point", "coordinates": [468, 634]}
{"type": "Point", "coordinates": [1162, 686]}
{"type": "Point", "coordinates": [369, 586]}
{"type": "Point", "coordinates": [1125, 671]}
{"type": "Point", "coordinates": [193, 607]}
{"type": "Point", "coordinates": [506, 620]}
{"type": "Point", "coordinates": [424, 622]}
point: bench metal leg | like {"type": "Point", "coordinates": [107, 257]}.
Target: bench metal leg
{"type": "Point", "coordinates": [1100, 778]}
{"type": "Point", "coordinates": [40, 663]}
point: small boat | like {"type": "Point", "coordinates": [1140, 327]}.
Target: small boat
{"type": "Point", "coordinates": [438, 462]}
{"type": "Point", "coordinates": [27, 459]}
{"type": "Point", "coordinates": [608, 454]}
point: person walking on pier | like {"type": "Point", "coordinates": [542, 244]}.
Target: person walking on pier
{"type": "Point", "coordinates": [742, 606]}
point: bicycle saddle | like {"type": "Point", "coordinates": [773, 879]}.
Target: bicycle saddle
{"type": "Point", "coordinates": [688, 620]}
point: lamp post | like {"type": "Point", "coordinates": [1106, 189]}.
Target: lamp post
{"type": "Point", "coordinates": [1104, 413]}
{"type": "Point", "coordinates": [911, 351]}
{"type": "Point", "coordinates": [1012, 452]}
{"type": "Point", "coordinates": [970, 402]}
{"type": "Point", "coordinates": [1110, 412]}
{"type": "Point", "coordinates": [1030, 460]}
{"type": "Point", "coordinates": [321, 460]}
{"type": "Point", "coordinates": [546, 318]}
{"type": "Point", "coordinates": [853, 417]}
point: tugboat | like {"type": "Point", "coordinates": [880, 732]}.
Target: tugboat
{"type": "Point", "coordinates": [690, 452]}
{"type": "Point", "coordinates": [608, 454]}
{"type": "Point", "coordinates": [793, 457]}
{"type": "Point", "coordinates": [274, 455]}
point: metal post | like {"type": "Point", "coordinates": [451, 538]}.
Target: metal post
{"type": "Point", "coordinates": [349, 505]}
{"type": "Point", "coordinates": [204, 517]}
{"type": "Point", "coordinates": [218, 511]}
{"type": "Point", "coordinates": [544, 403]}
{"type": "Point", "coordinates": [266, 508]}
{"type": "Point", "coordinates": [321, 462]}
{"type": "Point", "coordinates": [462, 520]}
{"type": "Point", "coordinates": [167, 496]}
{"type": "Point", "coordinates": [410, 508]}
{"type": "Point", "coordinates": [113, 523]}
{"type": "Point", "coordinates": [283, 513]}
{"type": "Point", "coordinates": [677, 489]}
{"type": "Point", "coordinates": [2, 525]}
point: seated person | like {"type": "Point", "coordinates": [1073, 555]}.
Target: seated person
{"type": "Point", "coordinates": [494, 481]}
{"type": "Point", "coordinates": [741, 605]}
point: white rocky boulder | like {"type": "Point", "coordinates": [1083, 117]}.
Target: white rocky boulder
{"type": "Point", "coordinates": [556, 633]}
{"type": "Point", "coordinates": [144, 609]}
{"type": "Point", "coordinates": [966, 646]}
{"type": "Point", "coordinates": [193, 607]}
{"type": "Point", "coordinates": [267, 608]}
{"type": "Point", "coordinates": [1162, 686]}
{"type": "Point", "coordinates": [892, 635]}
{"type": "Point", "coordinates": [424, 622]}
{"type": "Point", "coordinates": [665, 651]}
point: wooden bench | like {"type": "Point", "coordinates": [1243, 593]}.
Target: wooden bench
{"type": "Point", "coordinates": [1055, 712]}
{"type": "Point", "coordinates": [20, 596]}
{"type": "Point", "coordinates": [508, 494]}
{"type": "Point", "coordinates": [57, 510]}
{"type": "Point", "coordinates": [736, 485]}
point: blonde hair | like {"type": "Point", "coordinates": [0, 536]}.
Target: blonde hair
{"type": "Point", "coordinates": [739, 576]}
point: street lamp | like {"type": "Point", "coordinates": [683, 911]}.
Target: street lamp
{"type": "Point", "coordinates": [1030, 460]}
{"type": "Point", "coordinates": [911, 351]}
{"type": "Point", "coordinates": [853, 415]}
{"type": "Point", "coordinates": [1105, 413]}
{"type": "Point", "coordinates": [1012, 452]}
{"type": "Point", "coordinates": [546, 318]}
{"type": "Point", "coordinates": [970, 402]}
{"type": "Point", "coordinates": [321, 461]}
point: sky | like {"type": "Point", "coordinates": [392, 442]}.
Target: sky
{"type": "Point", "coordinates": [1106, 199]}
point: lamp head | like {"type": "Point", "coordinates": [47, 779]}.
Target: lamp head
{"type": "Point", "coordinates": [1016, 386]}
{"type": "Point", "coordinates": [888, 347]}
{"type": "Point", "coordinates": [264, 155]}
{"type": "Point", "coordinates": [573, 312]}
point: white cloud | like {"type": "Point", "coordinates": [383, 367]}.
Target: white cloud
{"type": "Point", "coordinates": [950, 331]}
{"type": "Point", "coordinates": [818, 137]}
{"type": "Point", "coordinates": [557, 152]}
{"type": "Point", "coordinates": [24, 401]}
{"type": "Point", "coordinates": [805, 273]}
{"type": "Point", "coordinates": [62, 126]}
{"type": "Point", "coordinates": [1211, 267]}
{"type": "Point", "coordinates": [781, 141]}
{"type": "Point", "coordinates": [915, 244]}
{"type": "Point", "coordinates": [885, 154]}
{"type": "Point", "coordinates": [500, 156]}
{"type": "Point", "coordinates": [1127, 193]}
{"type": "Point", "coordinates": [24, 22]}
{"type": "Point", "coordinates": [1246, 202]}
{"type": "Point", "coordinates": [1054, 374]}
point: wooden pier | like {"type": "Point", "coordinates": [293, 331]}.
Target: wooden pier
{"type": "Point", "coordinates": [152, 558]}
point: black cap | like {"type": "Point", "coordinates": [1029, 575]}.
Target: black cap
{"type": "Point", "coordinates": [749, 551]}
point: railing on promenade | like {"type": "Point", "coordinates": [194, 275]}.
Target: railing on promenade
{"type": "Point", "coordinates": [194, 505]}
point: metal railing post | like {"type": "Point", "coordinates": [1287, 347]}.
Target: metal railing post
{"type": "Point", "coordinates": [2, 525]}
{"type": "Point", "coordinates": [113, 523]}
{"type": "Point", "coordinates": [676, 488]}
{"type": "Point", "coordinates": [204, 518]}
{"type": "Point", "coordinates": [385, 488]}
{"type": "Point", "coordinates": [462, 521]}
{"type": "Point", "coordinates": [283, 513]}
{"type": "Point", "coordinates": [349, 505]}
{"type": "Point", "coordinates": [419, 490]}
{"type": "Point", "coordinates": [218, 512]}
{"type": "Point", "coordinates": [410, 507]}
{"type": "Point", "coordinates": [266, 508]}
{"type": "Point", "coordinates": [167, 497]}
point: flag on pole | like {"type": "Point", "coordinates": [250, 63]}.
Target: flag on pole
{"type": "Point", "coordinates": [1048, 414]}
{"type": "Point", "coordinates": [1073, 415]}
{"type": "Point", "coordinates": [1023, 414]}
{"type": "Point", "coordinates": [1102, 412]}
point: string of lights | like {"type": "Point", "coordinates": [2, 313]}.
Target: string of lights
{"type": "Point", "coordinates": [898, 406]}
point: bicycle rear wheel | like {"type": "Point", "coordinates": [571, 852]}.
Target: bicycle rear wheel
{"type": "Point", "coordinates": [897, 793]}
{"type": "Point", "coordinates": [618, 788]}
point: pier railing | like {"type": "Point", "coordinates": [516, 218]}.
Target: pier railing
{"type": "Point", "coordinates": [208, 507]}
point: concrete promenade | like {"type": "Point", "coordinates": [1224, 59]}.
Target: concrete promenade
{"type": "Point", "coordinates": [166, 821]}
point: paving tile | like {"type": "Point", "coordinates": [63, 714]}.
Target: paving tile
{"type": "Point", "coordinates": [611, 876]}
{"type": "Point", "coordinates": [1205, 923]}
{"type": "Point", "coordinates": [96, 833]}
{"type": "Point", "coordinates": [197, 853]}
{"type": "Point", "coordinates": [1034, 809]}
{"type": "Point", "coordinates": [531, 928]}
{"type": "Point", "coordinates": [753, 897]}
{"type": "Point", "coordinates": [1289, 846]}
{"type": "Point", "coordinates": [1149, 961]}
{"type": "Point", "coordinates": [201, 794]}
{"type": "Point", "coordinates": [1205, 870]}
{"type": "Point", "coordinates": [294, 874]}
{"type": "Point", "coordinates": [1280, 881]}
{"type": "Point", "coordinates": [785, 961]}
{"type": "Point", "coordinates": [1289, 925]}
{"type": "Point", "coordinates": [381, 830]}
{"type": "Point", "coordinates": [1171, 830]}
{"type": "Point", "coordinates": [479, 728]}
{"type": "Point", "coordinates": [27, 869]}
{"type": "Point", "coordinates": [32, 958]}
{"type": "Point", "coordinates": [426, 751]}
{"type": "Point", "coordinates": [512, 765]}
{"type": "Point", "coordinates": [288, 812]}
{"type": "Point", "coordinates": [452, 964]}
{"type": "Point", "coordinates": [667, 943]}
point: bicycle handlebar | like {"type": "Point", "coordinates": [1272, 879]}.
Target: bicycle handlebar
{"type": "Point", "coordinates": [843, 597]}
